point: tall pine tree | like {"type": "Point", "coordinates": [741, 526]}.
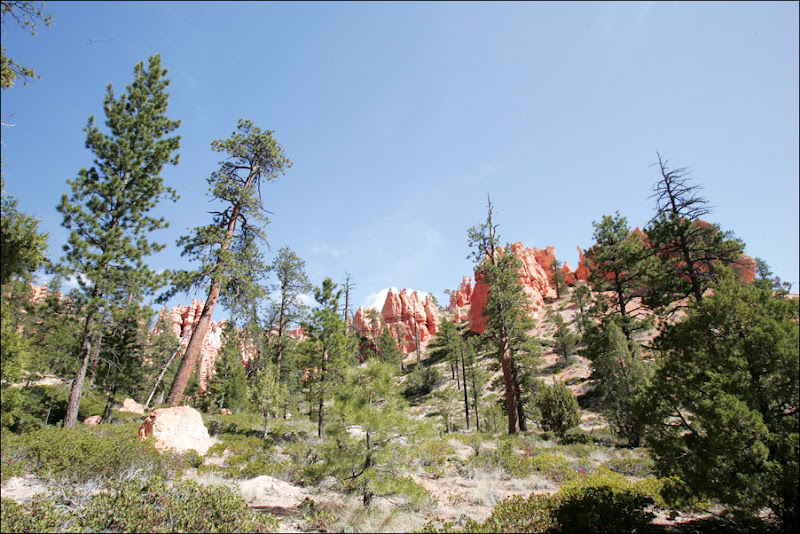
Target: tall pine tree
{"type": "Point", "coordinates": [290, 286]}
{"type": "Point", "coordinates": [330, 350]}
{"type": "Point", "coordinates": [505, 311]}
{"type": "Point", "coordinates": [107, 212]}
{"type": "Point", "coordinates": [225, 245]}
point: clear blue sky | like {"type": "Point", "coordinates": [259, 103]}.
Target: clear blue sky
{"type": "Point", "coordinates": [400, 118]}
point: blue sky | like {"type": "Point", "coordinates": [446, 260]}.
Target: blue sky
{"type": "Point", "coordinates": [400, 118]}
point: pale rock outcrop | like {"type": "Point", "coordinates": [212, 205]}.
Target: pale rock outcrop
{"type": "Point", "coordinates": [92, 420]}
{"type": "Point", "coordinates": [130, 405]}
{"type": "Point", "coordinates": [180, 428]}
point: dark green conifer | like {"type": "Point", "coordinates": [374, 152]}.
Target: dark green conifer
{"type": "Point", "coordinates": [107, 212]}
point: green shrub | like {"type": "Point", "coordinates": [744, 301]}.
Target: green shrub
{"type": "Point", "coordinates": [630, 465]}
{"type": "Point", "coordinates": [246, 424]}
{"type": "Point", "coordinates": [579, 437]}
{"type": "Point", "coordinates": [422, 381]}
{"type": "Point", "coordinates": [515, 514]}
{"type": "Point", "coordinates": [105, 451]}
{"type": "Point", "coordinates": [149, 506]}
{"type": "Point", "coordinates": [41, 516]}
{"type": "Point", "coordinates": [518, 514]}
{"type": "Point", "coordinates": [433, 456]}
{"type": "Point", "coordinates": [558, 408]}
{"type": "Point", "coordinates": [603, 502]}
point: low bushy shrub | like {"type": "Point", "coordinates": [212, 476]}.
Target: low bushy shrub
{"type": "Point", "coordinates": [246, 424]}
{"type": "Point", "coordinates": [603, 502]}
{"type": "Point", "coordinates": [422, 381]}
{"type": "Point", "coordinates": [41, 515]}
{"type": "Point", "coordinates": [630, 465]}
{"type": "Point", "coordinates": [433, 456]}
{"type": "Point", "coordinates": [143, 506]}
{"type": "Point", "coordinates": [86, 453]}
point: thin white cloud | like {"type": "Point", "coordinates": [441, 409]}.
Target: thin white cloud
{"type": "Point", "coordinates": [327, 249]}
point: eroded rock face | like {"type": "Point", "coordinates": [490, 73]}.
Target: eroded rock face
{"type": "Point", "coordinates": [180, 428]}
{"type": "Point", "coordinates": [409, 319]}
{"type": "Point", "coordinates": [533, 277]}
{"type": "Point", "coordinates": [183, 320]}
{"type": "Point", "coordinates": [582, 272]}
{"type": "Point", "coordinates": [463, 295]}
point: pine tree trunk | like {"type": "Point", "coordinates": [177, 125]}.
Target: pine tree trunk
{"type": "Point", "coordinates": [281, 321]}
{"type": "Point", "coordinates": [75, 392]}
{"type": "Point", "coordinates": [198, 335]}
{"type": "Point", "coordinates": [475, 397]}
{"type": "Point", "coordinates": [464, 379]}
{"type": "Point", "coordinates": [508, 380]}
{"type": "Point", "coordinates": [320, 423]}
{"type": "Point", "coordinates": [161, 375]}
{"type": "Point", "coordinates": [193, 350]}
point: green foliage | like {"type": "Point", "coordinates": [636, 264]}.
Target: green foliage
{"type": "Point", "coordinates": [507, 320]}
{"type": "Point", "coordinates": [227, 388]}
{"type": "Point", "coordinates": [230, 263]}
{"type": "Point", "coordinates": [26, 15]}
{"type": "Point", "coordinates": [433, 456]}
{"type": "Point", "coordinates": [22, 246]}
{"type": "Point", "coordinates": [630, 465]}
{"type": "Point", "coordinates": [619, 261]}
{"type": "Point", "coordinates": [289, 310]}
{"type": "Point", "coordinates": [41, 515]}
{"type": "Point", "coordinates": [364, 449]}
{"type": "Point", "coordinates": [328, 350]}
{"type": "Point", "coordinates": [387, 348]}
{"type": "Point", "coordinates": [144, 506]}
{"type": "Point", "coordinates": [565, 340]}
{"type": "Point", "coordinates": [421, 381]}
{"type": "Point", "coordinates": [88, 453]}
{"type": "Point", "coordinates": [267, 394]}
{"type": "Point", "coordinates": [107, 213]}
{"type": "Point", "coordinates": [558, 408]}
{"type": "Point", "coordinates": [725, 402]}
{"type": "Point", "coordinates": [220, 248]}
{"type": "Point", "coordinates": [53, 331]}
{"type": "Point", "coordinates": [581, 297]}
{"type": "Point", "coordinates": [600, 502]}
{"type": "Point", "coordinates": [688, 251]}
{"type": "Point", "coordinates": [623, 377]}
{"type": "Point", "coordinates": [603, 502]}
{"type": "Point", "coordinates": [522, 463]}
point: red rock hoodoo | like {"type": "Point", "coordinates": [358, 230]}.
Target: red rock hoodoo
{"type": "Point", "coordinates": [409, 319]}
{"type": "Point", "coordinates": [183, 321]}
{"type": "Point", "coordinates": [533, 276]}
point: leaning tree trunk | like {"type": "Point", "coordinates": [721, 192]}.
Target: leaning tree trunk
{"type": "Point", "coordinates": [195, 346]}
{"type": "Point", "coordinates": [198, 335]}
